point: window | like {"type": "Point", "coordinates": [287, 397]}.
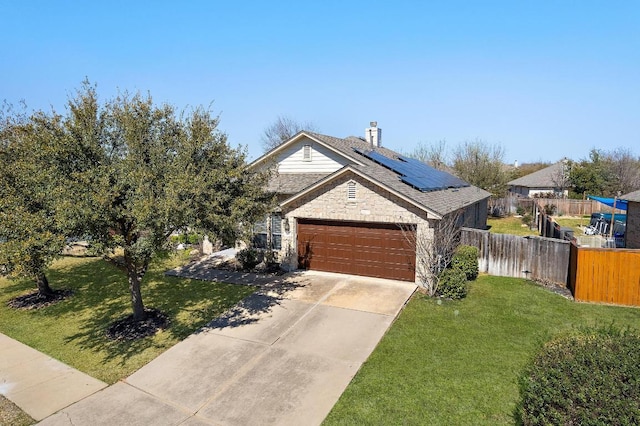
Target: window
{"type": "Point", "coordinates": [351, 191]}
{"type": "Point", "coordinates": [306, 153]}
{"type": "Point", "coordinates": [267, 233]}
{"type": "Point", "coordinates": [276, 231]}
{"type": "Point", "coordinates": [260, 234]}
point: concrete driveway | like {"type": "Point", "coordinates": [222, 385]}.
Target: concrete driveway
{"type": "Point", "coordinates": [283, 356]}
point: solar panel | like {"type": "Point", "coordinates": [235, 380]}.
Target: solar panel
{"type": "Point", "coordinates": [416, 173]}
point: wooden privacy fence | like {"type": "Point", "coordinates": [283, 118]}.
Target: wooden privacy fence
{"type": "Point", "coordinates": [562, 206]}
{"type": "Point", "coordinates": [536, 258]}
{"type": "Point", "coordinates": [568, 207]}
{"type": "Point", "coordinates": [605, 275]}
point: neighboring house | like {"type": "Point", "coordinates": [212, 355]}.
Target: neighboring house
{"type": "Point", "coordinates": [632, 233]}
{"type": "Point", "coordinates": [548, 181]}
{"type": "Point", "coordinates": [341, 211]}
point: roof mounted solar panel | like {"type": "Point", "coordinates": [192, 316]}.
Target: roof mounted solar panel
{"type": "Point", "coordinates": [416, 173]}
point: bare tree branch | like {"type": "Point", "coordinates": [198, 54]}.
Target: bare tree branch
{"type": "Point", "coordinates": [435, 248]}
{"type": "Point", "coordinates": [481, 164]}
{"type": "Point", "coordinates": [560, 178]}
{"type": "Point", "coordinates": [282, 130]}
{"type": "Point", "coordinates": [434, 154]}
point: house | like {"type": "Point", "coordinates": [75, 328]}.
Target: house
{"type": "Point", "coordinates": [550, 181]}
{"type": "Point", "coordinates": [632, 233]}
{"type": "Point", "coordinates": [352, 206]}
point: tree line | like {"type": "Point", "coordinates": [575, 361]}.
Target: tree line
{"type": "Point", "coordinates": [605, 172]}
{"type": "Point", "coordinates": [125, 174]}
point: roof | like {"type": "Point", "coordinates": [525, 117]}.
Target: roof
{"type": "Point", "coordinates": [632, 196]}
{"type": "Point", "coordinates": [292, 183]}
{"type": "Point", "coordinates": [545, 178]}
{"type": "Point", "coordinates": [440, 202]}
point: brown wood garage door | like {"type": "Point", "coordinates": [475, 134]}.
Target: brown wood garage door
{"type": "Point", "coordinates": [369, 249]}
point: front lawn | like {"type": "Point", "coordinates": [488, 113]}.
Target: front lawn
{"type": "Point", "coordinates": [73, 331]}
{"type": "Point", "coordinates": [458, 362]}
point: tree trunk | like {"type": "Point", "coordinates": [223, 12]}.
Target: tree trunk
{"type": "Point", "coordinates": [134, 278]}
{"type": "Point", "coordinates": [44, 290]}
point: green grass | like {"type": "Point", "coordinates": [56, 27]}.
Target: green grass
{"type": "Point", "coordinates": [459, 362]}
{"type": "Point", "coordinates": [577, 223]}
{"type": "Point", "coordinates": [73, 331]}
{"type": "Point", "coordinates": [12, 415]}
{"type": "Point", "coordinates": [509, 225]}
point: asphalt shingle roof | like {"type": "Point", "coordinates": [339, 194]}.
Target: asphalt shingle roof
{"type": "Point", "coordinates": [292, 183]}
{"type": "Point", "coordinates": [442, 201]}
{"type": "Point", "coordinates": [632, 196]}
{"type": "Point", "coordinates": [545, 178]}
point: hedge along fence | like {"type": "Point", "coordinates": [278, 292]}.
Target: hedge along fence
{"type": "Point", "coordinates": [536, 258]}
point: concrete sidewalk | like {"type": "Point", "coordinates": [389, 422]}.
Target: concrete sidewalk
{"type": "Point", "coordinates": [280, 357]}
{"type": "Point", "coordinates": [39, 384]}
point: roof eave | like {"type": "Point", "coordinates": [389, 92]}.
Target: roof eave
{"type": "Point", "coordinates": [295, 138]}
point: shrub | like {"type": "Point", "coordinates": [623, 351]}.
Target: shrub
{"type": "Point", "coordinates": [271, 261]}
{"type": "Point", "coordinates": [466, 259]}
{"type": "Point", "coordinates": [527, 219]}
{"type": "Point", "coordinates": [453, 284]}
{"type": "Point", "coordinates": [584, 379]}
{"type": "Point", "coordinates": [189, 238]}
{"type": "Point", "coordinates": [550, 209]}
{"type": "Point", "coordinates": [520, 210]}
{"type": "Point", "coordinates": [249, 258]}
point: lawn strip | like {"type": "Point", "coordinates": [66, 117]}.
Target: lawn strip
{"type": "Point", "coordinates": [459, 362]}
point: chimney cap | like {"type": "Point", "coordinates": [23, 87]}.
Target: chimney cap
{"type": "Point", "coordinates": [373, 124]}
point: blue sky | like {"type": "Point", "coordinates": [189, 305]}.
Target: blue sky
{"type": "Point", "coordinates": [544, 79]}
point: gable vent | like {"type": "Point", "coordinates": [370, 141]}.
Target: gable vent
{"type": "Point", "coordinates": [351, 190]}
{"type": "Point", "coordinates": [306, 153]}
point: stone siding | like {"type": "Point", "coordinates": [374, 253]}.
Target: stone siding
{"type": "Point", "coordinates": [632, 233]}
{"type": "Point", "coordinates": [329, 202]}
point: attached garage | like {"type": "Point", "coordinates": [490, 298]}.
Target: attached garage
{"type": "Point", "coordinates": [380, 250]}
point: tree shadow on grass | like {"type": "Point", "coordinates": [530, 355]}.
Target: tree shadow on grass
{"type": "Point", "coordinates": [189, 304]}
{"type": "Point", "coordinates": [252, 308]}
{"type": "Point", "coordinates": [101, 297]}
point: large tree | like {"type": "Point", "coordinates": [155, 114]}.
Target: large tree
{"type": "Point", "coordinates": [624, 169]}
{"type": "Point", "coordinates": [481, 164]}
{"type": "Point", "coordinates": [141, 171]}
{"type": "Point", "coordinates": [607, 173]}
{"type": "Point", "coordinates": [590, 176]}
{"type": "Point", "coordinates": [281, 130]}
{"type": "Point", "coordinates": [31, 232]}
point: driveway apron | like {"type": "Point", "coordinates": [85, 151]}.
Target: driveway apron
{"type": "Point", "coordinates": [278, 358]}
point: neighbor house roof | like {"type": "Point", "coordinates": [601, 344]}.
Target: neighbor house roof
{"type": "Point", "coordinates": [632, 196]}
{"type": "Point", "coordinates": [440, 202]}
{"type": "Point", "coordinates": [544, 178]}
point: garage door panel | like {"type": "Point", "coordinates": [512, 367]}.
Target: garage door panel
{"type": "Point", "coordinates": [379, 250]}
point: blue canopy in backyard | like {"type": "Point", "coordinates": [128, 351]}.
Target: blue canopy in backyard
{"type": "Point", "coordinates": [620, 204]}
